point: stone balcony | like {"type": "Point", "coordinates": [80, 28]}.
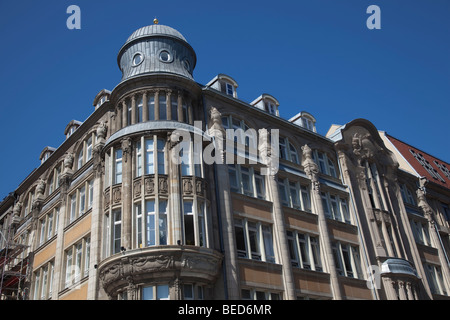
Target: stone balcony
{"type": "Point", "coordinates": [159, 264]}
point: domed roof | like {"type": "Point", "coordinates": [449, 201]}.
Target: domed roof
{"type": "Point", "coordinates": [155, 30]}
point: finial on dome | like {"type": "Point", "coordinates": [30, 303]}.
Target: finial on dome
{"type": "Point", "coordinates": [155, 21]}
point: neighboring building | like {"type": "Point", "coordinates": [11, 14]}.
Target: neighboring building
{"type": "Point", "coordinates": [110, 215]}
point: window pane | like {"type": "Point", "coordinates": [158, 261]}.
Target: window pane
{"type": "Point", "coordinates": [162, 107]}
{"type": "Point", "coordinates": [162, 222]}
{"type": "Point", "coordinates": [151, 230]}
{"type": "Point", "coordinates": [147, 293]}
{"type": "Point", "coordinates": [240, 239]}
{"type": "Point", "coordinates": [162, 292]}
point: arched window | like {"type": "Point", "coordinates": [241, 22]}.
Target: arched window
{"type": "Point", "coordinates": [288, 151]}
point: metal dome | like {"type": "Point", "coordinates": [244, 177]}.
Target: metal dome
{"type": "Point", "coordinates": [155, 30]}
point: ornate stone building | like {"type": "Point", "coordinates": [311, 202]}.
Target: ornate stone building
{"type": "Point", "coordinates": [130, 206]}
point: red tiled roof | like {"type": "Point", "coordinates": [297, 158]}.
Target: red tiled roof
{"type": "Point", "coordinates": [425, 164]}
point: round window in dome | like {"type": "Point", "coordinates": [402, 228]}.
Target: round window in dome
{"type": "Point", "coordinates": [137, 59]}
{"type": "Point", "coordinates": [165, 56]}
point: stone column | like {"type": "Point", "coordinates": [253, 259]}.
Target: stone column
{"type": "Point", "coordinates": [281, 238]}
{"type": "Point", "coordinates": [144, 107]}
{"type": "Point", "coordinates": [180, 107]}
{"type": "Point", "coordinates": [58, 267]}
{"type": "Point", "coordinates": [133, 109]}
{"type": "Point", "coordinates": [157, 105]}
{"type": "Point", "coordinates": [312, 171]}
{"type": "Point", "coordinates": [97, 212]}
{"type": "Point", "coordinates": [127, 195]}
{"type": "Point", "coordinates": [175, 193]}
{"type": "Point", "coordinates": [169, 104]}
{"type": "Point", "coordinates": [217, 131]}
{"type": "Point", "coordinates": [124, 114]}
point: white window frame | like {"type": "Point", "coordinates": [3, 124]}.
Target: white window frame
{"type": "Point", "coordinates": [256, 182]}
{"type": "Point", "coordinates": [310, 249]}
{"type": "Point", "coordinates": [301, 192]}
{"type": "Point", "coordinates": [264, 244]}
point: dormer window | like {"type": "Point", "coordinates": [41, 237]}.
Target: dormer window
{"type": "Point", "coordinates": [304, 120]}
{"type": "Point", "coordinates": [229, 89]}
{"type": "Point", "coordinates": [46, 153]}
{"type": "Point", "coordinates": [267, 103]}
{"type": "Point", "coordinates": [71, 127]}
{"type": "Point", "coordinates": [104, 94]}
{"type": "Point", "coordinates": [225, 84]}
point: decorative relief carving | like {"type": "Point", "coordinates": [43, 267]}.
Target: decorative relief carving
{"type": "Point", "coordinates": [107, 199]}
{"type": "Point", "coordinates": [187, 186]}
{"type": "Point", "coordinates": [149, 186]}
{"type": "Point", "coordinates": [117, 194]}
{"type": "Point", "coordinates": [163, 186]}
{"type": "Point", "coordinates": [127, 269]}
{"type": "Point", "coordinates": [200, 186]}
{"type": "Point", "coordinates": [137, 188]}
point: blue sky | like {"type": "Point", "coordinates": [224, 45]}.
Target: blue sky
{"type": "Point", "coordinates": [316, 56]}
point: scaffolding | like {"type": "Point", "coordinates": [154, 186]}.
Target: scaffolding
{"type": "Point", "coordinates": [14, 262]}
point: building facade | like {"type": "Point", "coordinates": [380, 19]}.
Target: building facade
{"type": "Point", "coordinates": [176, 190]}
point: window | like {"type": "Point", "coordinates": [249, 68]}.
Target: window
{"type": "Point", "coordinates": [156, 292]}
{"type": "Point", "coordinates": [81, 201]}
{"type": "Point", "coordinates": [373, 185]}
{"type": "Point", "coordinates": [229, 89]}
{"type": "Point", "coordinates": [137, 59]}
{"type": "Point", "coordinates": [443, 168]}
{"type": "Point", "coordinates": [304, 251]}
{"type": "Point", "coordinates": [347, 259]}
{"type": "Point", "coordinates": [174, 108]}
{"type": "Point", "coordinates": [116, 231]}
{"type": "Point", "coordinates": [191, 161]}
{"type": "Point", "coordinates": [195, 223]}
{"type": "Point", "coordinates": [245, 138]}
{"type": "Point", "coordinates": [271, 107]}
{"type": "Point", "coordinates": [53, 182]}
{"type": "Point", "coordinates": [445, 211]}
{"type": "Point", "coordinates": [288, 151]}
{"type": "Point", "coordinates": [335, 207]}
{"type": "Point", "coordinates": [139, 107]}
{"type": "Point", "coordinates": [48, 226]}
{"type": "Point", "coordinates": [294, 195]}
{"type": "Point", "coordinates": [149, 159]}
{"type": "Point", "coordinates": [424, 162]}
{"type": "Point", "coordinates": [407, 195]}
{"type": "Point", "coordinates": [326, 165]}
{"type": "Point", "coordinates": [259, 294]}
{"type": "Point", "coordinates": [85, 152]}
{"type": "Point", "coordinates": [247, 181]}
{"type": "Point", "coordinates": [193, 292]}
{"type": "Point", "coordinates": [435, 279]}
{"type": "Point", "coordinates": [43, 281]}
{"type": "Point", "coordinates": [254, 240]}
{"type": "Point", "coordinates": [154, 224]}
{"type": "Point", "coordinates": [165, 56]}
{"type": "Point", "coordinates": [151, 107]}
{"type": "Point", "coordinates": [117, 166]}
{"type": "Point", "coordinates": [162, 107]}
{"type": "Point", "coordinates": [421, 232]}
{"type": "Point", "coordinates": [77, 261]}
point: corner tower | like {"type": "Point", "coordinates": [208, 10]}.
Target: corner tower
{"type": "Point", "coordinates": [156, 49]}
